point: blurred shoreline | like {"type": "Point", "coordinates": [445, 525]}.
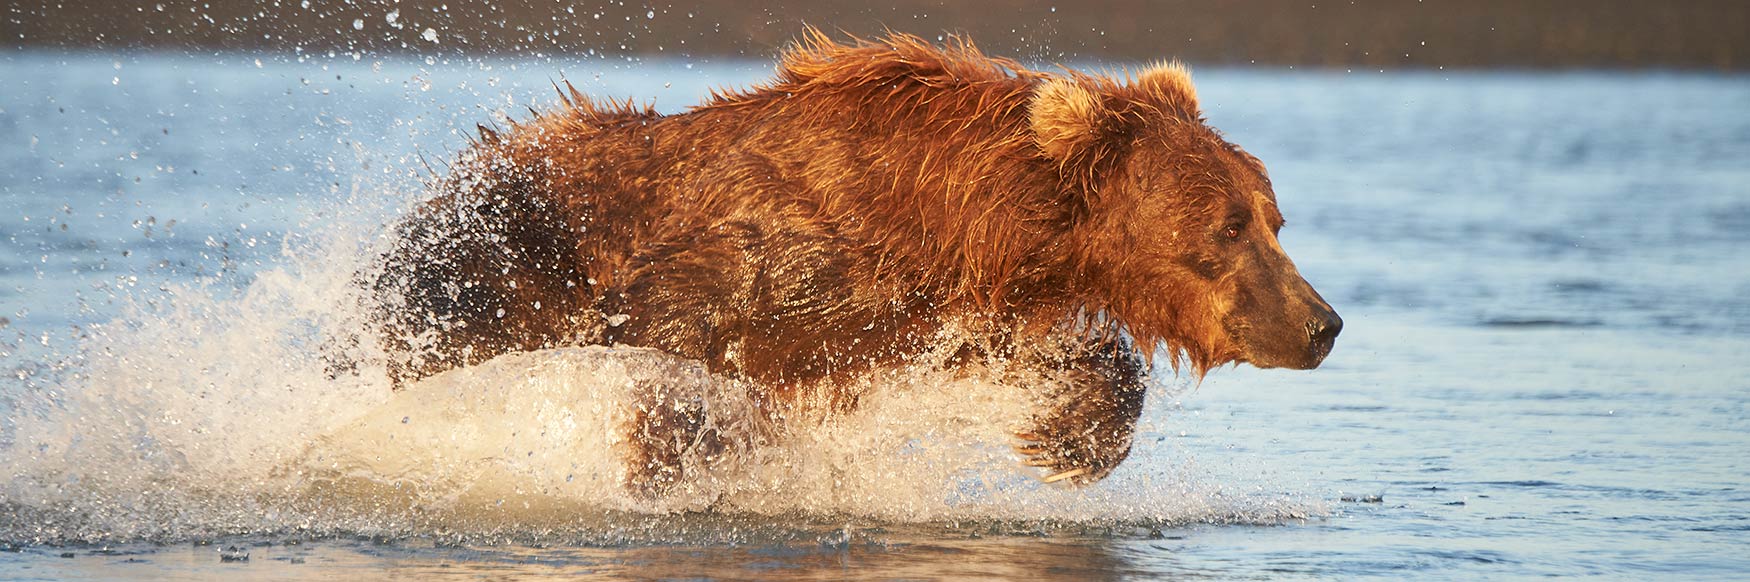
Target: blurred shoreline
{"type": "Point", "coordinates": [1342, 34]}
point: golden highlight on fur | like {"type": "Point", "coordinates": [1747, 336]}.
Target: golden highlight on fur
{"type": "Point", "coordinates": [838, 218]}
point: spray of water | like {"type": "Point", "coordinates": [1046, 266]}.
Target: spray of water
{"type": "Point", "coordinates": [210, 410]}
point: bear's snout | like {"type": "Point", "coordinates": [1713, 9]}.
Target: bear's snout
{"type": "Point", "coordinates": [1283, 326]}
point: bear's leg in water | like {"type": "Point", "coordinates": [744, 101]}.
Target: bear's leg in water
{"type": "Point", "coordinates": [700, 295]}
{"type": "Point", "coordinates": [666, 428]}
{"type": "Point", "coordinates": [1085, 421]}
{"type": "Point", "coordinates": [769, 304]}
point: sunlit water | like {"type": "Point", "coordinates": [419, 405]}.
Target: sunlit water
{"type": "Point", "coordinates": [1543, 370]}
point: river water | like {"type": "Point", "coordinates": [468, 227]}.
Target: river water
{"type": "Point", "coordinates": [1543, 371]}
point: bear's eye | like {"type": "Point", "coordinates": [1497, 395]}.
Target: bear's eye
{"type": "Point", "coordinates": [1232, 231]}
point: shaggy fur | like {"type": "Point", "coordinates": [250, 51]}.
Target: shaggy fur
{"type": "Point", "coordinates": [799, 232]}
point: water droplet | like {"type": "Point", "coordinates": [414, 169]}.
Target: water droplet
{"type": "Point", "coordinates": [358, 24]}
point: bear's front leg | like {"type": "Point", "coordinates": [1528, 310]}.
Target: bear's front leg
{"type": "Point", "coordinates": [1083, 427]}
{"type": "Point", "coordinates": [669, 436]}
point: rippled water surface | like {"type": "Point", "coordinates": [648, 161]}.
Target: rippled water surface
{"type": "Point", "coordinates": [1543, 372]}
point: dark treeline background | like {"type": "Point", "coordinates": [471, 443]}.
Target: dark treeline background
{"type": "Point", "coordinates": [1389, 34]}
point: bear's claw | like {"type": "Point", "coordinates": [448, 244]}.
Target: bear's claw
{"type": "Point", "coordinates": [1072, 473]}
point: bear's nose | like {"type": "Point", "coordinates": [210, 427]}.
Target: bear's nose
{"type": "Point", "coordinates": [1323, 330]}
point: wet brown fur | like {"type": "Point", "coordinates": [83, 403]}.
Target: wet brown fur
{"type": "Point", "coordinates": [801, 231]}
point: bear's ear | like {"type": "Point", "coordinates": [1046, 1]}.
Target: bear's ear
{"type": "Point", "coordinates": [1069, 120]}
{"type": "Point", "coordinates": [1167, 87]}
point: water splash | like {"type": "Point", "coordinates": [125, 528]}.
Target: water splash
{"type": "Point", "coordinates": [213, 409]}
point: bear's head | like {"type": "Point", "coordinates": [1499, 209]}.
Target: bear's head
{"type": "Point", "coordinates": [1174, 230]}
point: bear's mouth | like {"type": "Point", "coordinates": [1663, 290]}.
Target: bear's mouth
{"type": "Point", "coordinates": [1322, 342]}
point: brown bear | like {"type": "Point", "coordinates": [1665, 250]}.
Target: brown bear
{"type": "Point", "coordinates": [838, 218]}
